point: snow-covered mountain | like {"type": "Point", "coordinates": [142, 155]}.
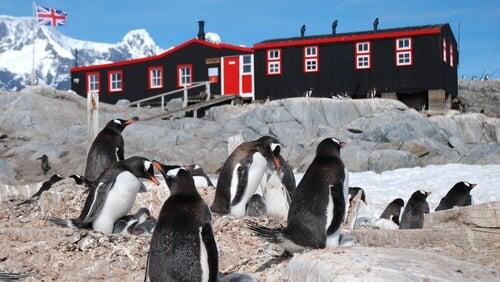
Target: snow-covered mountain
{"type": "Point", "coordinates": [55, 53]}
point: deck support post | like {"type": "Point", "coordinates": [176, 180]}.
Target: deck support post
{"type": "Point", "coordinates": [92, 117]}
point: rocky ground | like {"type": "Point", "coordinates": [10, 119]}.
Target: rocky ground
{"type": "Point", "coordinates": [480, 96]}
{"type": "Point", "coordinates": [380, 134]}
{"type": "Point", "coordinates": [29, 244]}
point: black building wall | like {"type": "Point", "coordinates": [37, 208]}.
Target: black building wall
{"type": "Point", "coordinates": [135, 75]}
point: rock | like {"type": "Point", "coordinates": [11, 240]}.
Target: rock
{"type": "Point", "coordinates": [457, 144]}
{"type": "Point", "coordinates": [416, 147]}
{"type": "Point", "coordinates": [381, 160]}
{"type": "Point", "coordinates": [480, 96]}
{"type": "Point", "coordinates": [355, 158]}
{"type": "Point", "coordinates": [122, 103]}
{"type": "Point", "coordinates": [7, 173]}
{"type": "Point", "coordinates": [383, 264]}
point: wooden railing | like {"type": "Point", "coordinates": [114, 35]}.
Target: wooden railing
{"type": "Point", "coordinates": [184, 89]}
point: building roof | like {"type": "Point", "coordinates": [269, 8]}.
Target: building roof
{"type": "Point", "coordinates": [350, 36]}
{"type": "Point", "coordinates": [166, 53]}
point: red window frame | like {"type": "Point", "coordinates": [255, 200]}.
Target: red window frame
{"type": "Point", "coordinates": [179, 77]}
{"type": "Point", "coordinates": [404, 50]}
{"type": "Point", "coordinates": [110, 73]}
{"type": "Point", "coordinates": [150, 77]}
{"type": "Point", "coordinates": [269, 61]}
{"type": "Point", "coordinates": [87, 82]}
{"type": "Point", "coordinates": [445, 54]}
{"type": "Point", "coordinates": [314, 57]}
{"type": "Point", "coordinates": [366, 53]}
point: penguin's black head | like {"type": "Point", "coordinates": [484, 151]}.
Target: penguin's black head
{"type": "Point", "coordinates": [399, 202]}
{"type": "Point", "coordinates": [353, 191]}
{"type": "Point", "coordinates": [119, 125]}
{"type": "Point", "coordinates": [56, 177]}
{"type": "Point", "coordinates": [270, 148]}
{"type": "Point", "coordinates": [43, 157]}
{"type": "Point", "coordinates": [178, 179]}
{"type": "Point", "coordinates": [142, 168]}
{"type": "Point", "coordinates": [464, 185]}
{"type": "Point", "coordinates": [421, 194]}
{"type": "Point", "coordinates": [329, 147]}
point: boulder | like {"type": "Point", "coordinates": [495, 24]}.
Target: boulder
{"type": "Point", "coordinates": [381, 160]}
{"type": "Point", "coordinates": [7, 173]}
{"type": "Point", "coordinates": [355, 158]}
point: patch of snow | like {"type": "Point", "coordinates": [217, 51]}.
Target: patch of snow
{"type": "Point", "coordinates": [212, 37]}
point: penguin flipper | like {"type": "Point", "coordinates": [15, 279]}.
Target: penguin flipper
{"type": "Point", "coordinates": [71, 223]}
{"type": "Point", "coordinates": [339, 207]}
{"type": "Point", "coordinates": [272, 235]}
{"type": "Point", "coordinates": [95, 201]}
{"type": "Point", "coordinates": [209, 241]}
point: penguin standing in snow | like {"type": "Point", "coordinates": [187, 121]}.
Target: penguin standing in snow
{"type": "Point", "coordinates": [112, 195]}
{"type": "Point", "coordinates": [107, 148]}
{"type": "Point", "coordinates": [393, 210]}
{"type": "Point", "coordinates": [318, 205]}
{"type": "Point", "coordinates": [459, 195]}
{"type": "Point", "coordinates": [413, 214]}
{"type": "Point", "coordinates": [242, 173]}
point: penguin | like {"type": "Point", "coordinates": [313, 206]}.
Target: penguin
{"type": "Point", "coordinates": [242, 173]}
{"type": "Point", "coordinates": [318, 205]}
{"type": "Point", "coordinates": [393, 210]}
{"type": "Point", "coordinates": [201, 179]}
{"type": "Point", "coordinates": [287, 176]}
{"type": "Point", "coordinates": [44, 164]}
{"type": "Point", "coordinates": [45, 187]}
{"type": "Point", "coordinates": [353, 191]}
{"type": "Point", "coordinates": [256, 207]}
{"type": "Point", "coordinates": [107, 148]}
{"type": "Point", "coordinates": [127, 223]}
{"type": "Point", "coordinates": [182, 247]}
{"type": "Point", "coordinates": [277, 196]}
{"type": "Point", "coordinates": [459, 195]}
{"type": "Point", "coordinates": [147, 226]}
{"type": "Point", "coordinates": [79, 179]}
{"type": "Point", "coordinates": [413, 214]}
{"type": "Point", "coordinates": [112, 195]}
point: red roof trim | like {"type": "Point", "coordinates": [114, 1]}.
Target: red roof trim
{"type": "Point", "coordinates": [166, 53]}
{"type": "Point", "coordinates": [347, 38]}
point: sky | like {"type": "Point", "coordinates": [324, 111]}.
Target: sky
{"type": "Point", "coordinates": [247, 22]}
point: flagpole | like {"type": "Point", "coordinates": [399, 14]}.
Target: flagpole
{"type": "Point", "coordinates": [33, 72]}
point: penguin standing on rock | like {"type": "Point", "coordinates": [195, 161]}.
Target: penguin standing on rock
{"type": "Point", "coordinates": [413, 214]}
{"type": "Point", "coordinates": [183, 246]}
{"type": "Point", "coordinates": [393, 210]}
{"type": "Point", "coordinates": [318, 205]}
{"type": "Point", "coordinates": [459, 195]}
{"type": "Point", "coordinates": [107, 148]}
{"type": "Point", "coordinates": [44, 164]}
{"type": "Point", "coordinates": [242, 173]}
{"type": "Point", "coordinates": [45, 187]}
{"type": "Point", "coordinates": [112, 195]}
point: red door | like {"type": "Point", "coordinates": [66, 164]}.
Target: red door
{"type": "Point", "coordinates": [231, 75]}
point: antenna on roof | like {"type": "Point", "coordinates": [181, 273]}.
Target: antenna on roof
{"type": "Point", "coordinates": [334, 26]}
{"type": "Point", "coordinates": [76, 57]}
{"type": "Point", "coordinates": [302, 30]}
{"type": "Point", "coordinates": [375, 24]}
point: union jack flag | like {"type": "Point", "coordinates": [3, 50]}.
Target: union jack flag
{"type": "Point", "coordinates": [53, 17]}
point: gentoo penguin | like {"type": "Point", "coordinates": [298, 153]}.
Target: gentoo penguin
{"type": "Point", "coordinates": [201, 179]}
{"type": "Point", "coordinates": [45, 187]}
{"type": "Point", "coordinates": [127, 223]}
{"type": "Point", "coordinates": [318, 206]}
{"type": "Point", "coordinates": [147, 226]}
{"type": "Point", "coordinates": [393, 210]}
{"type": "Point", "coordinates": [44, 164]}
{"type": "Point", "coordinates": [106, 149]}
{"type": "Point", "coordinates": [353, 191]}
{"type": "Point", "coordinates": [242, 173]}
{"type": "Point", "coordinates": [256, 207]}
{"type": "Point", "coordinates": [112, 195]}
{"type": "Point", "coordinates": [287, 177]}
{"type": "Point", "coordinates": [183, 247]}
{"type": "Point", "coordinates": [79, 180]}
{"type": "Point", "coordinates": [416, 207]}
{"type": "Point", "coordinates": [277, 196]}
{"type": "Point", "coordinates": [459, 195]}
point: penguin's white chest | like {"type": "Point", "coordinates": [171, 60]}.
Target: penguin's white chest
{"type": "Point", "coordinates": [205, 271]}
{"type": "Point", "coordinates": [118, 203]}
{"type": "Point", "coordinates": [276, 197]}
{"type": "Point", "coordinates": [329, 210]}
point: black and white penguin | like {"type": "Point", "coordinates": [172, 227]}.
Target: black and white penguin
{"type": "Point", "coordinates": [112, 195]}
{"type": "Point", "coordinates": [416, 207]}
{"type": "Point", "coordinates": [79, 179]}
{"type": "Point", "coordinates": [318, 206]}
{"type": "Point", "coordinates": [127, 223]}
{"type": "Point", "coordinates": [107, 148]}
{"type": "Point", "coordinates": [242, 173]}
{"type": "Point", "coordinates": [459, 195]}
{"type": "Point", "coordinates": [353, 191]}
{"type": "Point", "coordinates": [183, 247]}
{"type": "Point", "coordinates": [147, 226]}
{"type": "Point", "coordinates": [256, 207]}
{"type": "Point", "coordinates": [44, 164]}
{"type": "Point", "coordinates": [201, 179]}
{"type": "Point", "coordinates": [45, 187]}
{"type": "Point", "coordinates": [393, 210]}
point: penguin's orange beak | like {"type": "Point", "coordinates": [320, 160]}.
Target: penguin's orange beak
{"type": "Point", "coordinates": [154, 180]}
{"type": "Point", "coordinates": [472, 185]}
{"type": "Point", "coordinates": [158, 166]}
{"type": "Point", "coordinates": [428, 193]}
{"type": "Point", "coordinates": [132, 120]}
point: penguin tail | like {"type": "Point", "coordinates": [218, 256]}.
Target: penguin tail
{"type": "Point", "coordinates": [29, 201]}
{"type": "Point", "coordinates": [71, 223]}
{"type": "Point", "coordinates": [272, 235]}
{"type": "Point", "coordinates": [10, 276]}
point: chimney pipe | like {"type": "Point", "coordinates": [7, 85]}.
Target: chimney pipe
{"type": "Point", "coordinates": [375, 24]}
{"type": "Point", "coordinates": [334, 26]}
{"type": "Point", "coordinates": [302, 30]}
{"type": "Point", "coordinates": [201, 31]}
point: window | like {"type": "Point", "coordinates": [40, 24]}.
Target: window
{"type": "Point", "coordinates": [115, 79]}
{"type": "Point", "coordinates": [93, 82]}
{"type": "Point", "coordinates": [451, 56]}
{"type": "Point", "coordinates": [362, 55]}
{"type": "Point", "coordinates": [404, 52]}
{"type": "Point", "coordinates": [247, 64]}
{"type": "Point", "coordinates": [444, 50]}
{"type": "Point", "coordinates": [311, 59]}
{"type": "Point", "coordinates": [274, 62]}
{"type": "Point", "coordinates": [184, 75]}
{"type": "Point", "coordinates": [155, 77]}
